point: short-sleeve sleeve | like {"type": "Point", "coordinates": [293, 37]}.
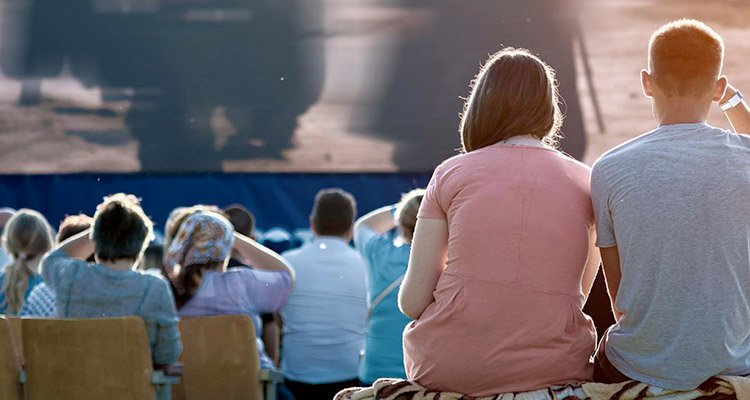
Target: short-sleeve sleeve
{"type": "Point", "coordinates": [431, 208]}
{"type": "Point", "coordinates": [268, 291]}
{"type": "Point", "coordinates": [58, 269]}
{"type": "Point", "coordinates": [600, 200]}
{"type": "Point", "coordinates": [363, 237]}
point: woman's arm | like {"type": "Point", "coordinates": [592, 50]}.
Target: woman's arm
{"type": "Point", "coordinates": [79, 245]}
{"type": "Point", "coordinates": [380, 220]}
{"type": "Point", "coordinates": [429, 252]}
{"type": "Point", "coordinates": [259, 256]}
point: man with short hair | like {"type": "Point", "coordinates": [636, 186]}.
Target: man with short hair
{"type": "Point", "coordinates": [673, 224]}
{"type": "Point", "coordinates": [324, 320]}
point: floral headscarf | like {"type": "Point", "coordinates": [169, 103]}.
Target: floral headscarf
{"type": "Point", "coordinates": [202, 238]}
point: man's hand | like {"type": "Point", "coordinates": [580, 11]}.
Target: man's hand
{"type": "Point", "coordinates": [739, 115]}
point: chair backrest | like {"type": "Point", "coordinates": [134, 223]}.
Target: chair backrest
{"type": "Point", "coordinates": [220, 358]}
{"type": "Point", "coordinates": [10, 362]}
{"type": "Point", "coordinates": [102, 358]}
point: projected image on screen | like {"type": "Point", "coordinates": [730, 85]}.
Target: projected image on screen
{"type": "Point", "coordinates": [300, 85]}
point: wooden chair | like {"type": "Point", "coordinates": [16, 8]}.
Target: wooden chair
{"type": "Point", "coordinates": [11, 363]}
{"type": "Point", "coordinates": [220, 358]}
{"type": "Point", "coordinates": [102, 358]}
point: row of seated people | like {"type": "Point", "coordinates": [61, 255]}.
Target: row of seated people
{"type": "Point", "coordinates": [334, 336]}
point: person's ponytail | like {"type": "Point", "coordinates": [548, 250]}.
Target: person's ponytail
{"type": "Point", "coordinates": [15, 284]}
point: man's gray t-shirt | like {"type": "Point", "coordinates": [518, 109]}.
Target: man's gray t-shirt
{"type": "Point", "coordinates": [676, 202]}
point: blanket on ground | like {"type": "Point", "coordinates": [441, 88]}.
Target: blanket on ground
{"type": "Point", "coordinates": [716, 388]}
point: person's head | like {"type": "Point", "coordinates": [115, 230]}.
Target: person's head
{"type": "Point", "coordinates": [515, 93]}
{"type": "Point", "coordinates": [153, 257]}
{"type": "Point", "coordinates": [241, 218]}
{"type": "Point", "coordinates": [203, 243]}
{"type": "Point", "coordinates": [5, 214]}
{"type": "Point", "coordinates": [406, 212]}
{"type": "Point", "coordinates": [26, 238]}
{"type": "Point", "coordinates": [121, 229]}
{"type": "Point", "coordinates": [685, 59]}
{"type": "Point", "coordinates": [73, 225]}
{"type": "Point", "coordinates": [333, 213]}
{"type": "Point", "coordinates": [178, 216]}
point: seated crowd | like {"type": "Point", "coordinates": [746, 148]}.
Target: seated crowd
{"type": "Point", "coordinates": [475, 285]}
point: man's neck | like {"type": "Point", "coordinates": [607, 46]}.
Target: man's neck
{"type": "Point", "coordinates": [681, 111]}
{"type": "Point", "coordinates": [344, 238]}
{"type": "Point", "coordinates": [118, 265]}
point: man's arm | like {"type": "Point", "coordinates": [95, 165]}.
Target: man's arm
{"type": "Point", "coordinates": [739, 115]}
{"type": "Point", "coordinates": [612, 275]}
{"type": "Point", "coordinates": [592, 265]}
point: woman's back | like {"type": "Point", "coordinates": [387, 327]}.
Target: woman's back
{"type": "Point", "coordinates": [507, 312]}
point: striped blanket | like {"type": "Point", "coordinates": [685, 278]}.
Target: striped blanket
{"type": "Point", "coordinates": [717, 388]}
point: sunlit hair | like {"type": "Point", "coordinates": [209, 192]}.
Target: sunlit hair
{"type": "Point", "coordinates": [515, 93]}
{"type": "Point", "coordinates": [406, 211]}
{"type": "Point", "coordinates": [333, 212]}
{"type": "Point", "coordinates": [685, 58]}
{"type": "Point", "coordinates": [73, 225]}
{"type": "Point", "coordinates": [26, 238]}
{"type": "Point", "coordinates": [121, 228]}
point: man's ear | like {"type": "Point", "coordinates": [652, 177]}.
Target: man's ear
{"type": "Point", "coordinates": [721, 87]}
{"type": "Point", "coordinates": [647, 84]}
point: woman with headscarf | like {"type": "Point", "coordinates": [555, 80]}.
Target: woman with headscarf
{"type": "Point", "coordinates": [196, 265]}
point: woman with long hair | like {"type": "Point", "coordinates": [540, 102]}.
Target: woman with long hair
{"type": "Point", "coordinates": [502, 258]}
{"type": "Point", "coordinates": [26, 238]}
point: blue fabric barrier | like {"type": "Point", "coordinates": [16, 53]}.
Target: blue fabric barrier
{"type": "Point", "coordinates": [282, 200]}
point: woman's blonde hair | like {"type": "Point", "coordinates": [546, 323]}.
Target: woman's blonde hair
{"type": "Point", "coordinates": [27, 236]}
{"type": "Point", "coordinates": [515, 93]}
{"type": "Point", "coordinates": [406, 211]}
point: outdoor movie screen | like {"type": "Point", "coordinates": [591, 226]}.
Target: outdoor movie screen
{"type": "Point", "coordinates": [131, 86]}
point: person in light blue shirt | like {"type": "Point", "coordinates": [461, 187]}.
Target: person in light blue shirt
{"type": "Point", "coordinates": [384, 240]}
{"type": "Point", "coordinates": [111, 287]}
{"type": "Point", "coordinates": [324, 320]}
{"type": "Point", "coordinates": [26, 238]}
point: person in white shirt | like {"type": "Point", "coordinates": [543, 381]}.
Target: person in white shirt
{"type": "Point", "coordinates": [324, 320]}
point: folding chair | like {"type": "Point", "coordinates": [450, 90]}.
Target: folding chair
{"type": "Point", "coordinates": [102, 358]}
{"type": "Point", "coordinates": [220, 358]}
{"type": "Point", "coordinates": [11, 363]}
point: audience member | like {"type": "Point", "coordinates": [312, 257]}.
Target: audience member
{"type": "Point", "coordinates": [42, 301]}
{"type": "Point", "coordinates": [324, 321]}
{"type": "Point", "coordinates": [26, 238]}
{"type": "Point", "coordinates": [153, 258]}
{"type": "Point", "coordinates": [196, 265]}
{"type": "Point", "coordinates": [111, 287]}
{"type": "Point", "coordinates": [502, 259]}
{"type": "Point", "coordinates": [5, 214]}
{"type": "Point", "coordinates": [672, 224]}
{"type": "Point", "coordinates": [243, 222]}
{"type": "Point", "coordinates": [385, 250]}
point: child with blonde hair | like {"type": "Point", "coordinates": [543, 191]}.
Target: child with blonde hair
{"type": "Point", "coordinates": [26, 238]}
